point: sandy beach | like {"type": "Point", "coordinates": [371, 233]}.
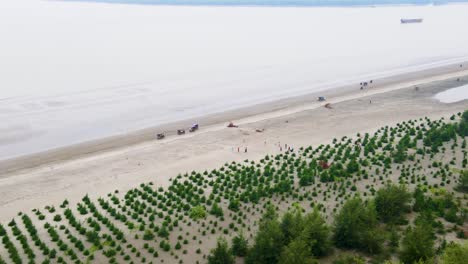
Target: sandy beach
{"type": "Point", "coordinates": [97, 168]}
{"type": "Point", "coordinates": [90, 76]}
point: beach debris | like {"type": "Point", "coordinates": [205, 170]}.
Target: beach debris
{"type": "Point", "coordinates": [194, 128]}
{"type": "Point", "coordinates": [259, 130]}
{"type": "Point", "coordinates": [231, 125]}
{"type": "Point", "coordinates": [160, 135]}
{"type": "Point", "coordinates": [180, 131]}
{"type": "Point", "coordinates": [328, 105]}
{"type": "Point", "coordinates": [321, 98]}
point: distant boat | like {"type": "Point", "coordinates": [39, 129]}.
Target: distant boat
{"type": "Point", "coordinates": [411, 20]}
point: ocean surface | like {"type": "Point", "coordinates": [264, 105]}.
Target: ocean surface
{"type": "Point", "coordinates": [76, 71]}
{"type": "Point", "coordinates": [312, 3]}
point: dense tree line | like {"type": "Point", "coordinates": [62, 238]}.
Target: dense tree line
{"type": "Point", "coordinates": [368, 226]}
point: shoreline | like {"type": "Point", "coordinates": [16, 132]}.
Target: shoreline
{"type": "Point", "coordinates": [295, 124]}
{"type": "Point", "coordinates": [286, 5]}
{"type": "Point", "coordinates": [217, 121]}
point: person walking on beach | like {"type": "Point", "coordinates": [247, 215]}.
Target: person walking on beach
{"type": "Point", "coordinates": [245, 150]}
{"type": "Point", "coordinates": [238, 149]}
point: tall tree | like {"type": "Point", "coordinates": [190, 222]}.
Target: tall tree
{"type": "Point", "coordinates": [420, 203]}
{"type": "Point", "coordinates": [355, 226]}
{"type": "Point", "coordinates": [269, 240]}
{"type": "Point", "coordinates": [418, 243]}
{"type": "Point", "coordinates": [292, 224]}
{"type": "Point", "coordinates": [297, 252]}
{"type": "Point", "coordinates": [240, 245]}
{"type": "Point", "coordinates": [391, 202]}
{"type": "Point", "coordinates": [463, 181]}
{"type": "Point", "coordinates": [221, 254]}
{"type": "Point", "coordinates": [317, 234]}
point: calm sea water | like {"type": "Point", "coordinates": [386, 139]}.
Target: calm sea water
{"type": "Point", "coordinates": [279, 2]}
{"type": "Point", "coordinates": [76, 71]}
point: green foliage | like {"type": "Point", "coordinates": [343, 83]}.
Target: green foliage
{"type": "Point", "coordinates": [418, 243]}
{"type": "Point", "coordinates": [353, 166]}
{"type": "Point", "coordinates": [148, 235]}
{"type": "Point", "coordinates": [299, 237]}
{"type": "Point", "coordinates": [311, 228]}
{"type": "Point", "coordinates": [356, 227]}
{"type": "Point", "coordinates": [240, 245]}
{"type": "Point", "coordinates": [391, 202]}
{"type": "Point", "coordinates": [296, 252]}
{"type": "Point", "coordinates": [163, 232]}
{"type": "Point", "coordinates": [268, 242]}
{"type": "Point", "coordinates": [317, 234]}
{"type": "Point", "coordinates": [197, 212]}
{"type": "Point", "coordinates": [420, 203]}
{"type": "Point", "coordinates": [57, 218]}
{"type": "Point", "coordinates": [234, 205]}
{"type": "Point", "coordinates": [93, 237]}
{"type": "Point", "coordinates": [349, 259]}
{"type": "Point", "coordinates": [462, 128]}
{"type": "Point", "coordinates": [463, 181]}
{"type": "Point", "coordinates": [221, 254]}
{"type": "Point", "coordinates": [216, 210]}
{"type": "Point", "coordinates": [455, 254]}
{"type": "Point", "coordinates": [292, 225]}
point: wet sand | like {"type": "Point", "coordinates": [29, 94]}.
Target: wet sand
{"type": "Point", "coordinates": [123, 162]}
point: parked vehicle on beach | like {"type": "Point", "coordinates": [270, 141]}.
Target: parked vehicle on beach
{"type": "Point", "coordinates": [160, 135]}
{"type": "Point", "coordinates": [193, 128]}
{"type": "Point", "coordinates": [180, 131]}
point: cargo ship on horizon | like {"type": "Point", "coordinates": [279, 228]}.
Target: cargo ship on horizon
{"type": "Point", "coordinates": [411, 20]}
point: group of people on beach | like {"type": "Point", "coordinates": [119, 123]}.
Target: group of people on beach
{"type": "Point", "coordinates": [244, 149]}
{"type": "Point", "coordinates": [286, 147]}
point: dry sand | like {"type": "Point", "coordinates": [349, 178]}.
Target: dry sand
{"type": "Point", "coordinates": [98, 168]}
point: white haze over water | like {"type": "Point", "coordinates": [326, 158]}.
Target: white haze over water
{"type": "Point", "coordinates": [72, 71]}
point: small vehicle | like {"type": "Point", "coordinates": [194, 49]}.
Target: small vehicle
{"type": "Point", "coordinates": [193, 128]}
{"type": "Point", "coordinates": [160, 136]}
{"type": "Point", "coordinates": [180, 131]}
{"type": "Point", "coordinates": [231, 125]}
{"type": "Point", "coordinates": [321, 98]}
